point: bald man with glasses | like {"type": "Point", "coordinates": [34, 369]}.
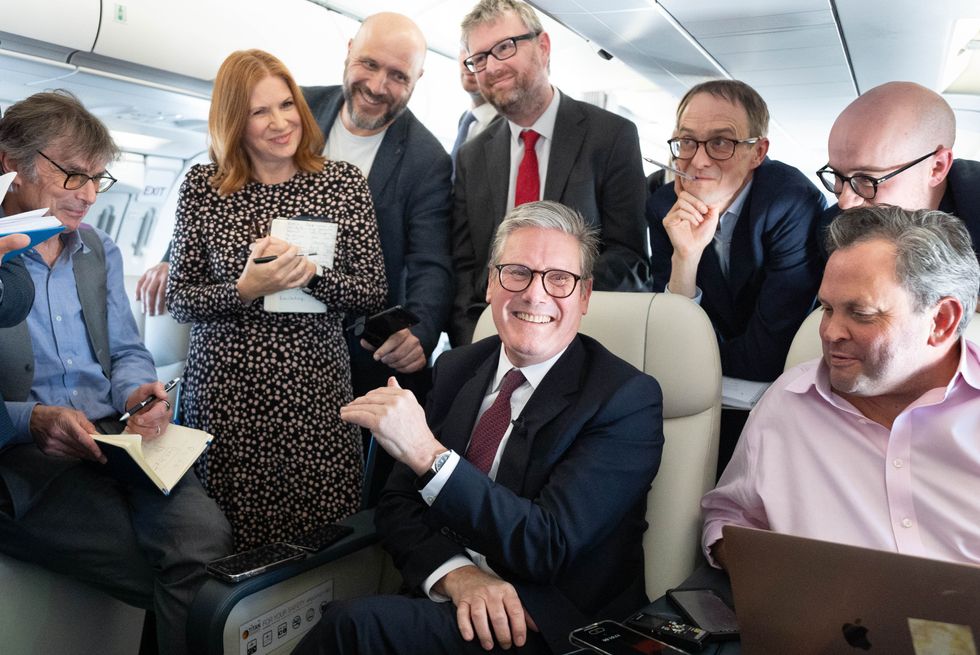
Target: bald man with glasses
{"type": "Point", "coordinates": [736, 232]}
{"type": "Point", "coordinates": [894, 146]}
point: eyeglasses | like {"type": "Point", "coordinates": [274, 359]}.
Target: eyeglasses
{"type": "Point", "coordinates": [718, 148]}
{"type": "Point", "coordinates": [863, 185]}
{"type": "Point", "coordinates": [556, 283]}
{"type": "Point", "coordinates": [506, 49]}
{"type": "Point", "coordinates": [75, 180]}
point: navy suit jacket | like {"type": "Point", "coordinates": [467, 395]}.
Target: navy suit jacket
{"type": "Point", "coordinates": [564, 520]}
{"type": "Point", "coordinates": [15, 305]}
{"type": "Point", "coordinates": [594, 167]}
{"type": "Point", "coordinates": [412, 193]}
{"type": "Point", "coordinates": [774, 269]}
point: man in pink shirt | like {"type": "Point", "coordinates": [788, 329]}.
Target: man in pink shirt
{"type": "Point", "coordinates": [876, 444]}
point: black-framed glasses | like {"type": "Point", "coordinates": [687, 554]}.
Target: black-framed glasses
{"type": "Point", "coordinates": [719, 148]}
{"type": "Point", "coordinates": [75, 180]}
{"type": "Point", "coordinates": [500, 51]}
{"type": "Point", "coordinates": [517, 277]}
{"type": "Point", "coordinates": [861, 184]}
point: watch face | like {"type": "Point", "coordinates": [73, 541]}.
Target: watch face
{"type": "Point", "coordinates": [440, 461]}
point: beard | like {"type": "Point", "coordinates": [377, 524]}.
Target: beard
{"type": "Point", "coordinates": [371, 122]}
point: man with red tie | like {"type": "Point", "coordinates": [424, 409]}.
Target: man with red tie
{"type": "Point", "coordinates": [550, 147]}
{"type": "Point", "coordinates": [491, 514]}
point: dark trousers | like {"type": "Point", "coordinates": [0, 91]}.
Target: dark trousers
{"type": "Point", "coordinates": [397, 625]}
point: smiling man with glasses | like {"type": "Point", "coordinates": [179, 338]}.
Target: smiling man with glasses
{"type": "Point", "coordinates": [893, 145]}
{"type": "Point", "coordinates": [736, 234]}
{"type": "Point", "coordinates": [550, 147]}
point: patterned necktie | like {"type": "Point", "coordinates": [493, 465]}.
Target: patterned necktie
{"type": "Point", "coordinates": [528, 179]}
{"type": "Point", "coordinates": [464, 131]}
{"type": "Point", "coordinates": [493, 424]}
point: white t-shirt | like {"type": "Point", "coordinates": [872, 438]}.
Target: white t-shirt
{"type": "Point", "coordinates": [342, 145]}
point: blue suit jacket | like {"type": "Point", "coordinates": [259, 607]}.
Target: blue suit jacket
{"type": "Point", "coordinates": [563, 522]}
{"type": "Point", "coordinates": [412, 193]}
{"type": "Point", "coordinates": [594, 167]}
{"type": "Point", "coordinates": [15, 305]}
{"type": "Point", "coordinates": [774, 269]}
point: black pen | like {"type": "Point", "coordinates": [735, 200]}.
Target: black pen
{"type": "Point", "coordinates": [271, 258]}
{"type": "Point", "coordinates": [148, 400]}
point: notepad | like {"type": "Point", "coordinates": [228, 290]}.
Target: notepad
{"type": "Point", "coordinates": [310, 234]}
{"type": "Point", "coordinates": [33, 223]}
{"type": "Point", "coordinates": [161, 460]}
{"type": "Point", "coordinates": [737, 393]}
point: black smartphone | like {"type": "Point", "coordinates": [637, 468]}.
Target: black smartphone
{"type": "Point", "coordinates": [706, 610]}
{"type": "Point", "coordinates": [242, 566]}
{"type": "Point", "coordinates": [684, 636]}
{"type": "Point", "coordinates": [319, 538]}
{"type": "Point", "coordinates": [377, 328]}
{"type": "Point", "coordinates": [611, 638]}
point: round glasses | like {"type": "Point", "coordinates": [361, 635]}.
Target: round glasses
{"type": "Point", "coordinates": [861, 184]}
{"type": "Point", "coordinates": [718, 148]}
{"type": "Point", "coordinates": [75, 180]}
{"type": "Point", "coordinates": [556, 283]}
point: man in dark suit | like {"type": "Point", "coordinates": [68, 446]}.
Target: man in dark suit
{"type": "Point", "coordinates": [498, 518]}
{"type": "Point", "coordinates": [16, 298]}
{"type": "Point", "coordinates": [582, 156]}
{"type": "Point", "coordinates": [739, 235]}
{"type": "Point", "coordinates": [893, 145]}
{"type": "Point", "coordinates": [366, 122]}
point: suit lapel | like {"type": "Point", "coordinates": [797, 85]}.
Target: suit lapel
{"type": "Point", "coordinates": [566, 143]}
{"type": "Point", "coordinates": [741, 261]}
{"type": "Point", "coordinates": [389, 155]}
{"type": "Point", "coordinates": [461, 417]}
{"type": "Point", "coordinates": [530, 435]}
{"type": "Point", "coordinates": [496, 152]}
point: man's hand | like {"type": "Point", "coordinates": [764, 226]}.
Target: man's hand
{"type": "Point", "coordinates": [401, 351]}
{"type": "Point", "coordinates": [486, 608]}
{"type": "Point", "coordinates": [398, 423]}
{"type": "Point", "coordinates": [691, 225]}
{"type": "Point", "coordinates": [151, 289]}
{"type": "Point", "coordinates": [153, 420]}
{"type": "Point", "coordinates": [13, 242]}
{"type": "Point", "coordinates": [64, 432]}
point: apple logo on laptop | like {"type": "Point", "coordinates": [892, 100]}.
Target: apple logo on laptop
{"type": "Point", "coordinates": [856, 635]}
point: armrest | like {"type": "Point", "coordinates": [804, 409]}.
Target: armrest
{"type": "Point", "coordinates": [354, 566]}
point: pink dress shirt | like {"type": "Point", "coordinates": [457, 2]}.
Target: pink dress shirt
{"type": "Point", "coordinates": [810, 464]}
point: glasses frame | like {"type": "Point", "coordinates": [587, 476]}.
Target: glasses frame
{"type": "Point", "coordinates": [735, 143]}
{"type": "Point", "coordinates": [530, 279]}
{"type": "Point", "coordinates": [473, 67]}
{"type": "Point", "coordinates": [88, 178]}
{"type": "Point", "coordinates": [873, 181]}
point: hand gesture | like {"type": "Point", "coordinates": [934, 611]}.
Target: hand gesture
{"type": "Point", "coordinates": [287, 271]}
{"type": "Point", "coordinates": [13, 242]}
{"type": "Point", "coordinates": [64, 432]}
{"type": "Point", "coordinates": [487, 608]}
{"type": "Point", "coordinates": [151, 289]}
{"type": "Point", "coordinates": [690, 224]}
{"type": "Point", "coordinates": [401, 351]}
{"type": "Point", "coordinates": [153, 420]}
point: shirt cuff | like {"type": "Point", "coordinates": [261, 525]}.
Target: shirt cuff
{"type": "Point", "coordinates": [451, 564]}
{"type": "Point", "coordinates": [712, 535]}
{"type": "Point", "coordinates": [431, 491]}
{"type": "Point", "coordinates": [697, 294]}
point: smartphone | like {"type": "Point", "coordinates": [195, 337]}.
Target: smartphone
{"type": "Point", "coordinates": [377, 328]}
{"type": "Point", "coordinates": [706, 610]}
{"type": "Point", "coordinates": [611, 638]}
{"type": "Point", "coordinates": [319, 538]}
{"type": "Point", "coordinates": [684, 636]}
{"type": "Point", "coordinates": [242, 566]}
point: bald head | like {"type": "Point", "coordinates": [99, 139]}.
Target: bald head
{"type": "Point", "coordinates": [384, 61]}
{"type": "Point", "coordinates": [888, 127]}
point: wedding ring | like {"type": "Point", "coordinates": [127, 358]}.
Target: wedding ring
{"type": "Point", "coordinates": [167, 403]}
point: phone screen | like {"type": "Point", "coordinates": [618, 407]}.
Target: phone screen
{"type": "Point", "coordinates": [706, 610]}
{"type": "Point", "coordinates": [612, 638]}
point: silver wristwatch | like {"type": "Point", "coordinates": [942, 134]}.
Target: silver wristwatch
{"type": "Point", "coordinates": [440, 461]}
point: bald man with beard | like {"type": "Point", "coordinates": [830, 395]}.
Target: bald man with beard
{"type": "Point", "coordinates": [894, 145]}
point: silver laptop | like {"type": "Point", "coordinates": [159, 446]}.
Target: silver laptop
{"type": "Point", "coordinates": [796, 595]}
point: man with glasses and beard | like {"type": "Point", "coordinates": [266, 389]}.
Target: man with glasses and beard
{"type": "Point", "coordinates": [894, 146]}
{"type": "Point", "coordinates": [736, 232]}
{"type": "Point", "coordinates": [550, 147]}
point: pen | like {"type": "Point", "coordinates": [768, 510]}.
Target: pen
{"type": "Point", "coordinates": [675, 171]}
{"type": "Point", "coordinates": [271, 258]}
{"type": "Point", "coordinates": [147, 401]}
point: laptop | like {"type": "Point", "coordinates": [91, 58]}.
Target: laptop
{"type": "Point", "coordinates": [796, 595]}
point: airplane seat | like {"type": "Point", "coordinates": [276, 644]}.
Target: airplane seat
{"type": "Point", "coordinates": [671, 338]}
{"type": "Point", "coordinates": [806, 344]}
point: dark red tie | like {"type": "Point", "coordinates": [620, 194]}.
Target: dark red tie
{"type": "Point", "coordinates": [493, 424]}
{"type": "Point", "coordinates": [528, 179]}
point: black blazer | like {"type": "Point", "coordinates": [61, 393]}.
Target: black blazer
{"type": "Point", "coordinates": [15, 305]}
{"type": "Point", "coordinates": [774, 269]}
{"type": "Point", "coordinates": [564, 520]}
{"type": "Point", "coordinates": [594, 167]}
{"type": "Point", "coordinates": [412, 193]}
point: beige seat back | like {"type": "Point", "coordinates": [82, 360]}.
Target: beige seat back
{"type": "Point", "coordinates": [670, 338]}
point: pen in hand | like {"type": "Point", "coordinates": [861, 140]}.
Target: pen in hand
{"type": "Point", "coordinates": [271, 258]}
{"type": "Point", "coordinates": [149, 400]}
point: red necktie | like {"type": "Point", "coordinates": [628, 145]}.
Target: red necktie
{"type": "Point", "coordinates": [492, 425]}
{"type": "Point", "coordinates": [528, 179]}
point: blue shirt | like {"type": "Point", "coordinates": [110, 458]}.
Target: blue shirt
{"type": "Point", "coordinates": [66, 372]}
